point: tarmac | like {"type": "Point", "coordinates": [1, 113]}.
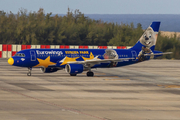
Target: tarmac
{"type": "Point", "coordinates": [145, 91]}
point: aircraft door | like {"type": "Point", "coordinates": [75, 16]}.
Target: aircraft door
{"type": "Point", "coordinates": [134, 55]}
{"type": "Point", "coordinates": [33, 55]}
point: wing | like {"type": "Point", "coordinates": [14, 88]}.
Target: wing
{"type": "Point", "coordinates": [98, 61]}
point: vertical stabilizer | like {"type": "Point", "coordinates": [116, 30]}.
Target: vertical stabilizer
{"type": "Point", "coordinates": [148, 39]}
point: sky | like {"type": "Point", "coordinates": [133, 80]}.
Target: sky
{"type": "Point", "coordinates": [94, 6]}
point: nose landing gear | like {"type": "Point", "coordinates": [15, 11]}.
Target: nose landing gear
{"type": "Point", "coordinates": [29, 71]}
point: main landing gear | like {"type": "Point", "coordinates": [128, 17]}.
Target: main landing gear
{"type": "Point", "coordinates": [90, 74]}
{"type": "Point", "coordinates": [29, 71]}
{"type": "Point", "coordinates": [73, 74]}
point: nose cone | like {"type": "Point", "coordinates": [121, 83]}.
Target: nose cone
{"type": "Point", "coordinates": [11, 61]}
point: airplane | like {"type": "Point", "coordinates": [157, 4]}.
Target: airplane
{"type": "Point", "coordinates": [75, 61]}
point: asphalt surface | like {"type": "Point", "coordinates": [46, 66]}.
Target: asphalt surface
{"type": "Point", "coordinates": [145, 91]}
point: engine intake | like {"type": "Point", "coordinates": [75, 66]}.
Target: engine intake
{"type": "Point", "coordinates": [74, 68]}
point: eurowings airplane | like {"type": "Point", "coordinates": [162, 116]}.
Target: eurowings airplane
{"type": "Point", "coordinates": [75, 61]}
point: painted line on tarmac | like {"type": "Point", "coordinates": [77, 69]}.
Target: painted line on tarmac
{"type": "Point", "coordinates": [116, 79]}
{"type": "Point", "coordinates": [52, 104]}
{"type": "Point", "coordinates": [169, 86]}
{"type": "Point", "coordinates": [108, 76]}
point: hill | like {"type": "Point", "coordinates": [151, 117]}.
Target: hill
{"type": "Point", "coordinates": [170, 34]}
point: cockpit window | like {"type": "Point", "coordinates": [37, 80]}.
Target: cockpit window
{"type": "Point", "coordinates": [20, 54]}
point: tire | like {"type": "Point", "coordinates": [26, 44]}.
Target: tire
{"type": "Point", "coordinates": [29, 74]}
{"type": "Point", "coordinates": [73, 74]}
{"type": "Point", "coordinates": [90, 74]}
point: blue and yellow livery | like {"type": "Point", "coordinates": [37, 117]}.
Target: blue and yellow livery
{"type": "Point", "coordinates": [75, 61]}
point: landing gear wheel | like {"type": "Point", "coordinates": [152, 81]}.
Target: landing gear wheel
{"type": "Point", "coordinates": [29, 74]}
{"type": "Point", "coordinates": [73, 74]}
{"type": "Point", "coordinates": [90, 74]}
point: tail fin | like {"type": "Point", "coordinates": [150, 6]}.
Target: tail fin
{"type": "Point", "coordinates": [149, 38]}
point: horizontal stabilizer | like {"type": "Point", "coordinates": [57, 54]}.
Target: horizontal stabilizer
{"type": "Point", "coordinates": [158, 54]}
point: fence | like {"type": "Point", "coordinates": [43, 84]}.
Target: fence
{"type": "Point", "coordinates": [9, 50]}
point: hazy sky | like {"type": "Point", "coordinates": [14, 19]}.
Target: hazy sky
{"type": "Point", "coordinates": [95, 6]}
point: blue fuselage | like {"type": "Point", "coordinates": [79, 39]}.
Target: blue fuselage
{"type": "Point", "coordinates": [32, 56]}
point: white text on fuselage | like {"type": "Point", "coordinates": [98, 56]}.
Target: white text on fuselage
{"type": "Point", "coordinates": [52, 52]}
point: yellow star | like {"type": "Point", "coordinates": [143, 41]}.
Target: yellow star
{"type": "Point", "coordinates": [68, 59]}
{"type": "Point", "coordinates": [90, 58]}
{"type": "Point", "coordinates": [45, 62]}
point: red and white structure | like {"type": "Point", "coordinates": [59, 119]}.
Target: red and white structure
{"type": "Point", "coordinates": [9, 50]}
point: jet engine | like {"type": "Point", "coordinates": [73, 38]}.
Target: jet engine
{"type": "Point", "coordinates": [49, 69]}
{"type": "Point", "coordinates": [74, 69]}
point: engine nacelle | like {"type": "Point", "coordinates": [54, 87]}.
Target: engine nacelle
{"type": "Point", "coordinates": [74, 68]}
{"type": "Point", "coordinates": [49, 69]}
